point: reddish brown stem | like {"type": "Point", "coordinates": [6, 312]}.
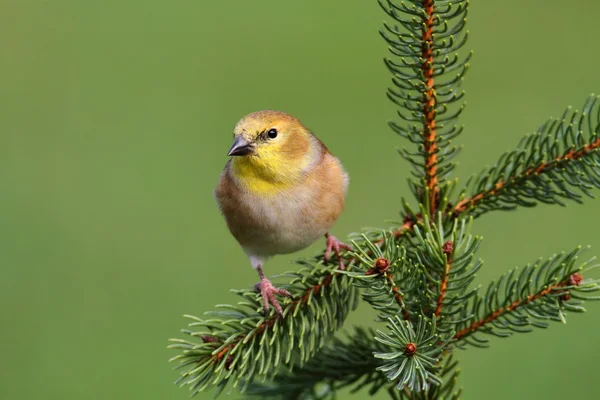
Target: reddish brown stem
{"type": "Point", "coordinates": [397, 295]}
{"type": "Point", "coordinates": [504, 310]}
{"type": "Point", "coordinates": [558, 162]}
{"type": "Point", "coordinates": [443, 289]}
{"type": "Point", "coordinates": [429, 133]}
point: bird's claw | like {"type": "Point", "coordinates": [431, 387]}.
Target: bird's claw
{"type": "Point", "coordinates": [335, 246]}
{"type": "Point", "coordinates": [268, 292]}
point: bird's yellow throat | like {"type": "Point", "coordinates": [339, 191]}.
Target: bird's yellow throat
{"type": "Point", "coordinates": [269, 173]}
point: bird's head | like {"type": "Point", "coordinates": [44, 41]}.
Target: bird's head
{"type": "Point", "coordinates": [272, 145]}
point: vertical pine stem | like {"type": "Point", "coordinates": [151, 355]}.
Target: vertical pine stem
{"type": "Point", "coordinates": [429, 133]}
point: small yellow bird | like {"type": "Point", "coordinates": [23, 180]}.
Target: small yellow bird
{"type": "Point", "coordinates": [281, 190]}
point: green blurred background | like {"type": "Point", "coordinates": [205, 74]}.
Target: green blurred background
{"type": "Point", "coordinates": [115, 117]}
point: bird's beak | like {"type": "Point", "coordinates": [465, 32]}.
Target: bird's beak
{"type": "Point", "coordinates": [240, 147]}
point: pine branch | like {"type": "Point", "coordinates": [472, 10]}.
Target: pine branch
{"type": "Point", "coordinates": [449, 374]}
{"type": "Point", "coordinates": [380, 272]}
{"type": "Point", "coordinates": [341, 364]}
{"type": "Point", "coordinates": [560, 161]}
{"type": "Point", "coordinates": [445, 256]}
{"type": "Point", "coordinates": [429, 132]}
{"type": "Point", "coordinates": [236, 340]}
{"type": "Point", "coordinates": [445, 277]}
{"type": "Point", "coordinates": [239, 342]}
{"type": "Point", "coordinates": [397, 294]}
{"type": "Point", "coordinates": [433, 277]}
{"type": "Point", "coordinates": [412, 357]}
{"type": "Point", "coordinates": [520, 300]}
{"type": "Point", "coordinates": [350, 364]}
{"type": "Point", "coordinates": [423, 47]}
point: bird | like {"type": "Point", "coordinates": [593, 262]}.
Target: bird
{"type": "Point", "coordinates": [280, 191]}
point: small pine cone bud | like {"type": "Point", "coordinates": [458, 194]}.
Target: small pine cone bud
{"type": "Point", "coordinates": [566, 296]}
{"type": "Point", "coordinates": [575, 279]}
{"type": "Point", "coordinates": [209, 339]}
{"type": "Point", "coordinates": [410, 349]}
{"type": "Point", "coordinates": [448, 247]}
{"type": "Point", "coordinates": [381, 265]}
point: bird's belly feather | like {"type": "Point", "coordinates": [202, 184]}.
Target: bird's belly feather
{"type": "Point", "coordinates": [279, 225]}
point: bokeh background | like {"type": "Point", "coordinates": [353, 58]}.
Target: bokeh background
{"type": "Point", "coordinates": [115, 117]}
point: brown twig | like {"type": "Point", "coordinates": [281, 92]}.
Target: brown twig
{"type": "Point", "coordinates": [407, 226]}
{"type": "Point", "coordinates": [447, 248]}
{"type": "Point", "coordinates": [380, 267]}
{"type": "Point", "coordinates": [397, 295]}
{"type": "Point", "coordinates": [443, 288]}
{"type": "Point", "coordinates": [558, 162]}
{"type": "Point", "coordinates": [429, 133]}
{"type": "Point", "coordinates": [511, 307]}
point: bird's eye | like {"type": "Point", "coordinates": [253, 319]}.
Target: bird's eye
{"type": "Point", "coordinates": [272, 133]}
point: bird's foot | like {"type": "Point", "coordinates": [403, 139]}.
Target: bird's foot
{"type": "Point", "coordinates": [268, 292]}
{"type": "Point", "coordinates": [335, 246]}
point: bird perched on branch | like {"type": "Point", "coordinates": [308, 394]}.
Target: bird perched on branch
{"type": "Point", "coordinates": [281, 190]}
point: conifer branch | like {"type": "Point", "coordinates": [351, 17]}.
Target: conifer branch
{"type": "Point", "coordinates": [446, 258]}
{"type": "Point", "coordinates": [397, 295]}
{"type": "Point", "coordinates": [423, 44]}
{"type": "Point", "coordinates": [239, 343]}
{"type": "Point", "coordinates": [429, 132]}
{"type": "Point", "coordinates": [342, 363]}
{"type": "Point", "coordinates": [520, 300]}
{"type": "Point", "coordinates": [413, 353]}
{"type": "Point", "coordinates": [350, 364]}
{"type": "Point", "coordinates": [443, 286]}
{"type": "Point", "coordinates": [383, 266]}
{"type": "Point", "coordinates": [449, 374]}
{"type": "Point", "coordinates": [547, 165]}
{"type": "Point", "coordinates": [513, 306]}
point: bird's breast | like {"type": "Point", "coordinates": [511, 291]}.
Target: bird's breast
{"type": "Point", "coordinates": [286, 220]}
{"type": "Point", "coordinates": [268, 175]}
